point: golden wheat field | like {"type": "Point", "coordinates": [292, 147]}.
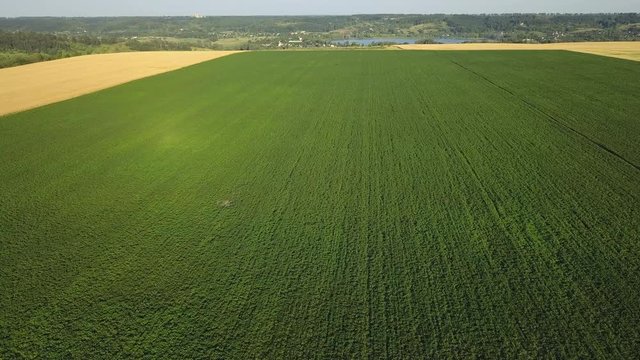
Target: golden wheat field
{"type": "Point", "coordinates": [629, 50]}
{"type": "Point", "coordinates": [29, 86]}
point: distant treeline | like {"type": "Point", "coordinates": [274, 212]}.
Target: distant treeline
{"type": "Point", "coordinates": [34, 42]}
{"type": "Point", "coordinates": [25, 40]}
{"type": "Point", "coordinates": [504, 27]}
{"type": "Point", "coordinates": [548, 27]}
{"type": "Point", "coordinates": [24, 47]}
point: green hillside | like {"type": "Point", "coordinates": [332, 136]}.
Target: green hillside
{"type": "Point", "coordinates": [345, 204]}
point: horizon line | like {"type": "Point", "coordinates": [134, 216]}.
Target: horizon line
{"type": "Point", "coordinates": [318, 15]}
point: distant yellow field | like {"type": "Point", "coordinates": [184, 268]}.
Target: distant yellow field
{"type": "Point", "coordinates": [33, 85]}
{"type": "Point", "coordinates": [629, 50]}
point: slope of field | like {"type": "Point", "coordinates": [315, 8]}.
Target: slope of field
{"type": "Point", "coordinates": [33, 85]}
{"type": "Point", "coordinates": [381, 204]}
{"type": "Point", "coordinates": [629, 50]}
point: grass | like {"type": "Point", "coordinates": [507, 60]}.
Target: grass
{"type": "Point", "coordinates": [233, 43]}
{"type": "Point", "coordinates": [329, 204]}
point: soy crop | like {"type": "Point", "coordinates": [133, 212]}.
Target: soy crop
{"type": "Point", "coordinates": [329, 204]}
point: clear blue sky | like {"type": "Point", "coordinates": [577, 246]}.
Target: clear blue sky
{"type": "Point", "coordinates": [11, 8]}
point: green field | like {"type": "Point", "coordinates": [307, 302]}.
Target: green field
{"type": "Point", "coordinates": [346, 204]}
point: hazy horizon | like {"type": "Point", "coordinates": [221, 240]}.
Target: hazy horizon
{"type": "Point", "coordinates": [77, 8]}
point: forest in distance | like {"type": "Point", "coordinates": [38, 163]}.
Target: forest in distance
{"type": "Point", "coordinates": [31, 39]}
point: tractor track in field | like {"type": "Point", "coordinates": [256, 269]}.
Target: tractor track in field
{"type": "Point", "coordinates": [549, 116]}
